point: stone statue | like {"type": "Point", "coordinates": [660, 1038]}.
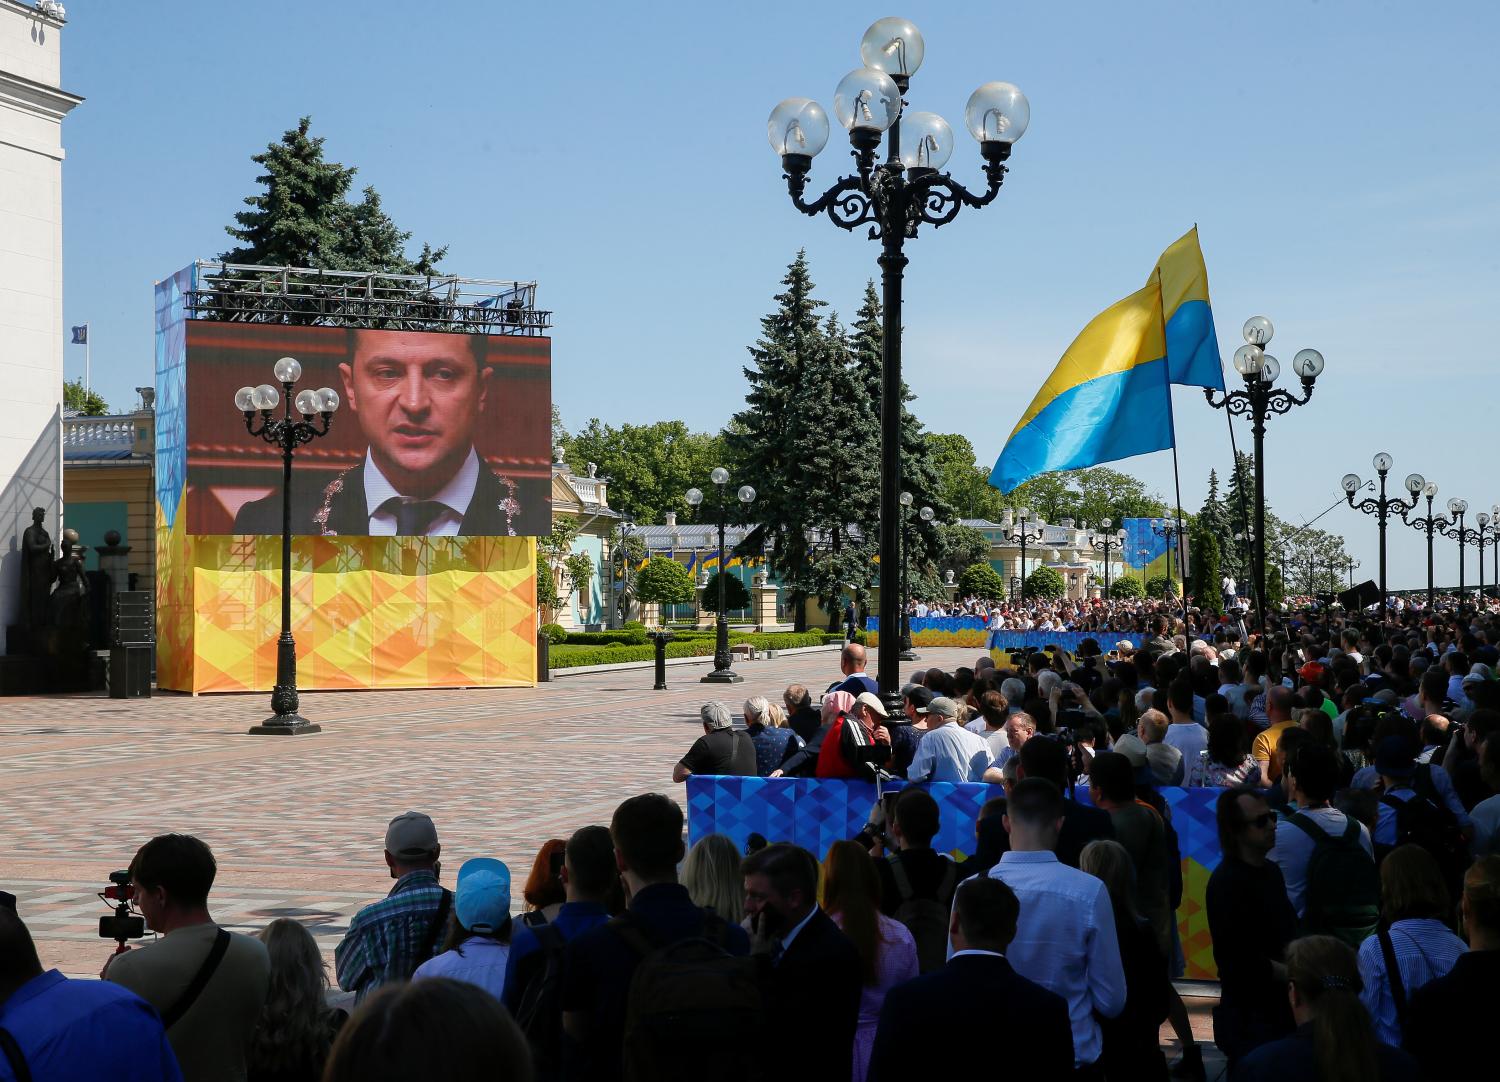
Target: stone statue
{"type": "Point", "coordinates": [67, 607]}
{"type": "Point", "coordinates": [37, 571]}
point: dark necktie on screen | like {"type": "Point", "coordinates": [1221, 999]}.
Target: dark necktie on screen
{"type": "Point", "coordinates": [413, 517]}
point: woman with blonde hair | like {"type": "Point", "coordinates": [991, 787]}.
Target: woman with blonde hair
{"type": "Point", "coordinates": [711, 874]}
{"type": "Point", "coordinates": [296, 1027]}
{"type": "Point", "coordinates": [774, 742]}
{"type": "Point", "coordinates": [887, 951]}
{"type": "Point", "coordinates": [1334, 1041]}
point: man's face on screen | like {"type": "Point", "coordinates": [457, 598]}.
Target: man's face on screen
{"type": "Point", "coordinates": [418, 398]}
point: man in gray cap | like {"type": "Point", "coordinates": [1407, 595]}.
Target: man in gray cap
{"type": "Point", "coordinates": [389, 939]}
{"type": "Point", "coordinates": [948, 752]}
{"type": "Point", "coordinates": [720, 750]}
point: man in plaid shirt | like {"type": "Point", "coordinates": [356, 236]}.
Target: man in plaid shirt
{"type": "Point", "coordinates": [388, 939]}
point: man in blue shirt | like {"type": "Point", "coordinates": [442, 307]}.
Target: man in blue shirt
{"type": "Point", "coordinates": [533, 972]}
{"type": "Point", "coordinates": [1065, 938]}
{"type": "Point", "coordinates": [63, 1028]}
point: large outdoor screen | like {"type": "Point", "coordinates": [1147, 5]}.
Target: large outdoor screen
{"type": "Point", "coordinates": [436, 434]}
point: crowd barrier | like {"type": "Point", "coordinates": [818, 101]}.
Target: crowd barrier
{"type": "Point", "coordinates": [816, 812]}
{"type": "Point", "coordinates": [970, 632]}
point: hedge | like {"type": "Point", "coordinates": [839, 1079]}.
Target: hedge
{"type": "Point", "coordinates": [568, 655]}
{"type": "Point", "coordinates": [626, 637]}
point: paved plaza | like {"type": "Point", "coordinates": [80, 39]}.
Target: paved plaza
{"type": "Point", "coordinates": [297, 824]}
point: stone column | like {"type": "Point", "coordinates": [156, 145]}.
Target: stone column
{"type": "Point", "coordinates": [763, 599]}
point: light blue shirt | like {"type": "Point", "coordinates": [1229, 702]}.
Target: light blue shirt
{"type": "Point", "coordinates": [950, 753]}
{"type": "Point", "coordinates": [1424, 950]}
{"type": "Point", "coordinates": [1294, 848]}
{"type": "Point", "coordinates": [478, 961]}
{"type": "Point", "coordinates": [1367, 778]}
{"type": "Point", "coordinates": [1066, 942]}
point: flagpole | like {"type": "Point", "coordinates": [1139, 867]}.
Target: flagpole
{"type": "Point", "coordinates": [1166, 370]}
{"type": "Point", "coordinates": [88, 358]}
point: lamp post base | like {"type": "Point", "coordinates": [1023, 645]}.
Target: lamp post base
{"type": "Point", "coordinates": [723, 676]}
{"type": "Point", "coordinates": [285, 725]}
{"type": "Point", "coordinates": [908, 654]}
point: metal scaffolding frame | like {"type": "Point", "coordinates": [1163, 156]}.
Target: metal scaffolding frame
{"type": "Point", "coordinates": [309, 296]}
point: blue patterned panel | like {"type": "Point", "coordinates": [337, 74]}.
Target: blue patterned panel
{"type": "Point", "coordinates": [171, 388]}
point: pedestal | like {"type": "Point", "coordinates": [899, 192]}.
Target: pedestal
{"type": "Point", "coordinates": [651, 614]}
{"type": "Point", "coordinates": [763, 606]}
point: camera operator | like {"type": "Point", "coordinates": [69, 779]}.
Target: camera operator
{"type": "Point", "coordinates": [207, 984]}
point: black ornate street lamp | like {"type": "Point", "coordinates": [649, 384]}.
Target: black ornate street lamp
{"type": "Point", "coordinates": [1483, 521]}
{"type": "Point", "coordinates": [1166, 529]}
{"type": "Point", "coordinates": [1258, 401]}
{"type": "Point", "coordinates": [1429, 524]}
{"type": "Point", "coordinates": [927, 514]}
{"type": "Point", "coordinates": [1382, 506]}
{"type": "Point", "coordinates": [1456, 530]}
{"type": "Point", "coordinates": [1351, 563]}
{"type": "Point", "coordinates": [1106, 543]}
{"type": "Point", "coordinates": [288, 433]}
{"type": "Point", "coordinates": [722, 673]}
{"type": "Point", "coordinates": [894, 199]}
{"type": "Point", "coordinates": [1017, 534]}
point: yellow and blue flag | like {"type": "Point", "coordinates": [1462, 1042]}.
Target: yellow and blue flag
{"type": "Point", "coordinates": [1106, 399]}
{"type": "Point", "coordinates": [1192, 346]}
{"type": "Point", "coordinates": [1110, 395]}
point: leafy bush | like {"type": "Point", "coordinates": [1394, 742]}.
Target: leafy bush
{"type": "Point", "coordinates": [554, 633]}
{"type": "Point", "coordinates": [1159, 586]}
{"type": "Point", "coordinates": [573, 655]}
{"type": "Point", "coordinates": [1045, 583]}
{"type": "Point", "coordinates": [981, 580]}
{"type": "Point", "coordinates": [664, 581]}
{"type": "Point", "coordinates": [631, 637]}
{"type": "Point", "coordinates": [632, 625]}
{"type": "Point", "coordinates": [735, 594]}
{"type": "Point", "coordinates": [1126, 588]}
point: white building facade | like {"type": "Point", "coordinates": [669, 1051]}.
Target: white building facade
{"type": "Point", "coordinates": [32, 108]}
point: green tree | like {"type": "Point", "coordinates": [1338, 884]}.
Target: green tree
{"type": "Point", "coordinates": [578, 569]}
{"type": "Point", "coordinates": [1159, 586]}
{"type": "Point", "coordinates": [962, 481]}
{"type": "Point", "coordinates": [303, 217]}
{"type": "Point", "coordinates": [1213, 516]}
{"type": "Point", "coordinates": [759, 439]}
{"type": "Point", "coordinates": [547, 597]}
{"type": "Point", "coordinates": [981, 580]}
{"type": "Point", "coordinates": [1206, 577]}
{"type": "Point", "coordinates": [664, 581]}
{"type": "Point", "coordinates": [1106, 493]}
{"type": "Point", "coordinates": [88, 403]}
{"type": "Point", "coordinates": [1275, 587]}
{"type": "Point", "coordinates": [1239, 499]}
{"type": "Point", "coordinates": [736, 597]}
{"type": "Point", "coordinates": [649, 466]}
{"type": "Point", "coordinates": [960, 545]}
{"type": "Point", "coordinates": [1126, 588]}
{"type": "Point", "coordinates": [1044, 583]}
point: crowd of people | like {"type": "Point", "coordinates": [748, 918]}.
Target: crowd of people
{"type": "Point", "coordinates": [1119, 615]}
{"type": "Point", "coordinates": [1354, 913]}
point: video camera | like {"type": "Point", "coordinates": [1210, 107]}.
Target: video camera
{"type": "Point", "coordinates": [122, 924]}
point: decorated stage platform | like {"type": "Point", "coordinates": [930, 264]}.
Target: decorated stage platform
{"type": "Point", "coordinates": [815, 813]}
{"type": "Point", "coordinates": [970, 631]}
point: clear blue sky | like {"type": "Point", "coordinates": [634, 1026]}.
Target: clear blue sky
{"type": "Point", "coordinates": [1339, 158]}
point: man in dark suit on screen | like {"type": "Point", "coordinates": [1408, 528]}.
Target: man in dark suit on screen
{"type": "Point", "coordinates": [810, 972]}
{"type": "Point", "coordinates": [916, 1037]}
{"type": "Point", "coordinates": [419, 398]}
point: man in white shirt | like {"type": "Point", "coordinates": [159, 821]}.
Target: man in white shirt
{"type": "Point", "coordinates": [1183, 733]}
{"type": "Point", "coordinates": [1065, 937]}
{"type": "Point", "coordinates": [948, 752]}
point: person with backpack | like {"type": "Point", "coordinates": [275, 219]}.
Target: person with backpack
{"type": "Point", "coordinates": [1408, 817]}
{"type": "Point", "coordinates": [810, 975]}
{"type": "Point", "coordinates": [664, 991]}
{"type": "Point", "coordinates": [1325, 856]}
{"type": "Point", "coordinates": [533, 972]}
{"type": "Point", "coordinates": [887, 951]}
{"type": "Point", "coordinates": [916, 881]}
{"type": "Point", "coordinates": [1414, 944]}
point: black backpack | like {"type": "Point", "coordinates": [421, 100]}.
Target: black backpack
{"type": "Point", "coordinates": [692, 1009]}
{"type": "Point", "coordinates": [1430, 824]}
{"type": "Point", "coordinates": [927, 919]}
{"type": "Point", "coordinates": [1342, 895]}
{"type": "Point", "coordinates": [539, 1013]}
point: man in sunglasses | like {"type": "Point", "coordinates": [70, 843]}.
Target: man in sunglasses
{"type": "Point", "coordinates": [1251, 922]}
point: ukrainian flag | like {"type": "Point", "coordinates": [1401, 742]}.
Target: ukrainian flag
{"type": "Point", "coordinates": [1192, 346]}
{"type": "Point", "coordinates": [1108, 398]}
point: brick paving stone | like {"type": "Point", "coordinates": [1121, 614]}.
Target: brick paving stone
{"type": "Point", "coordinates": [297, 824]}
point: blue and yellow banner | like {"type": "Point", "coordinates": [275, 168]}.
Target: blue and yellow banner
{"type": "Point", "coordinates": [1192, 346]}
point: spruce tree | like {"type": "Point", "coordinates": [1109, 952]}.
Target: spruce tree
{"type": "Point", "coordinates": [760, 437]}
{"type": "Point", "coordinates": [303, 217]}
{"type": "Point", "coordinates": [1240, 497]}
{"type": "Point", "coordinates": [1214, 514]}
